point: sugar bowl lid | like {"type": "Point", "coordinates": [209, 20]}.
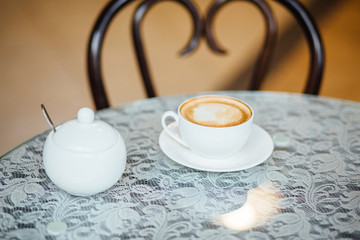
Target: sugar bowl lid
{"type": "Point", "coordinates": [85, 134]}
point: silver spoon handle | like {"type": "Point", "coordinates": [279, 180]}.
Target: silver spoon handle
{"type": "Point", "coordinates": [47, 117]}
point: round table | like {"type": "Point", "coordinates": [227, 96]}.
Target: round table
{"type": "Point", "coordinates": [309, 188]}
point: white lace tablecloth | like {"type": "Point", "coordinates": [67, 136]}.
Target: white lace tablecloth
{"type": "Point", "coordinates": [308, 189]}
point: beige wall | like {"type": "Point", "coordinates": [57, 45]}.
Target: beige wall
{"type": "Point", "coordinates": [43, 57]}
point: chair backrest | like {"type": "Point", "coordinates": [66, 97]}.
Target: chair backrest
{"type": "Point", "coordinates": [202, 28]}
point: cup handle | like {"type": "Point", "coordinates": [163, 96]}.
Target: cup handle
{"type": "Point", "coordinates": [172, 132]}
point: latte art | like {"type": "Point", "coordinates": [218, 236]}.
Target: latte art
{"type": "Point", "coordinates": [215, 111]}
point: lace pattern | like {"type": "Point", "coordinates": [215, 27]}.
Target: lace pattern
{"type": "Point", "coordinates": [308, 188]}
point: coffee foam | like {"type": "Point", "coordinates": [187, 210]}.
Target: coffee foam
{"type": "Point", "coordinates": [215, 111]}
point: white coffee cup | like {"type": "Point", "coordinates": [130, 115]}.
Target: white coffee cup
{"type": "Point", "coordinates": [212, 126]}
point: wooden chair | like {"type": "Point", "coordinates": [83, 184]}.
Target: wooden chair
{"type": "Point", "coordinates": [202, 28]}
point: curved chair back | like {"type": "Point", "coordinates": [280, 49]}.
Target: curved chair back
{"type": "Point", "coordinates": [202, 28]}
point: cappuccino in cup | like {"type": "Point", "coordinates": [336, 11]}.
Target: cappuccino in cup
{"type": "Point", "coordinates": [215, 111]}
{"type": "Point", "coordinates": [211, 126]}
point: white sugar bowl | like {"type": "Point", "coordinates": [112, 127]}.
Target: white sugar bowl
{"type": "Point", "coordinates": [84, 156]}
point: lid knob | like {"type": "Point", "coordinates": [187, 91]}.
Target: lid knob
{"type": "Point", "coordinates": [85, 116]}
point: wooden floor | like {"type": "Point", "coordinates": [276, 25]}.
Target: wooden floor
{"type": "Point", "coordinates": [43, 59]}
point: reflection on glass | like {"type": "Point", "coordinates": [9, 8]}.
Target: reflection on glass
{"type": "Point", "coordinates": [261, 204]}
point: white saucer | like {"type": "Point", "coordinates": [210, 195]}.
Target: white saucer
{"type": "Point", "coordinates": [258, 148]}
